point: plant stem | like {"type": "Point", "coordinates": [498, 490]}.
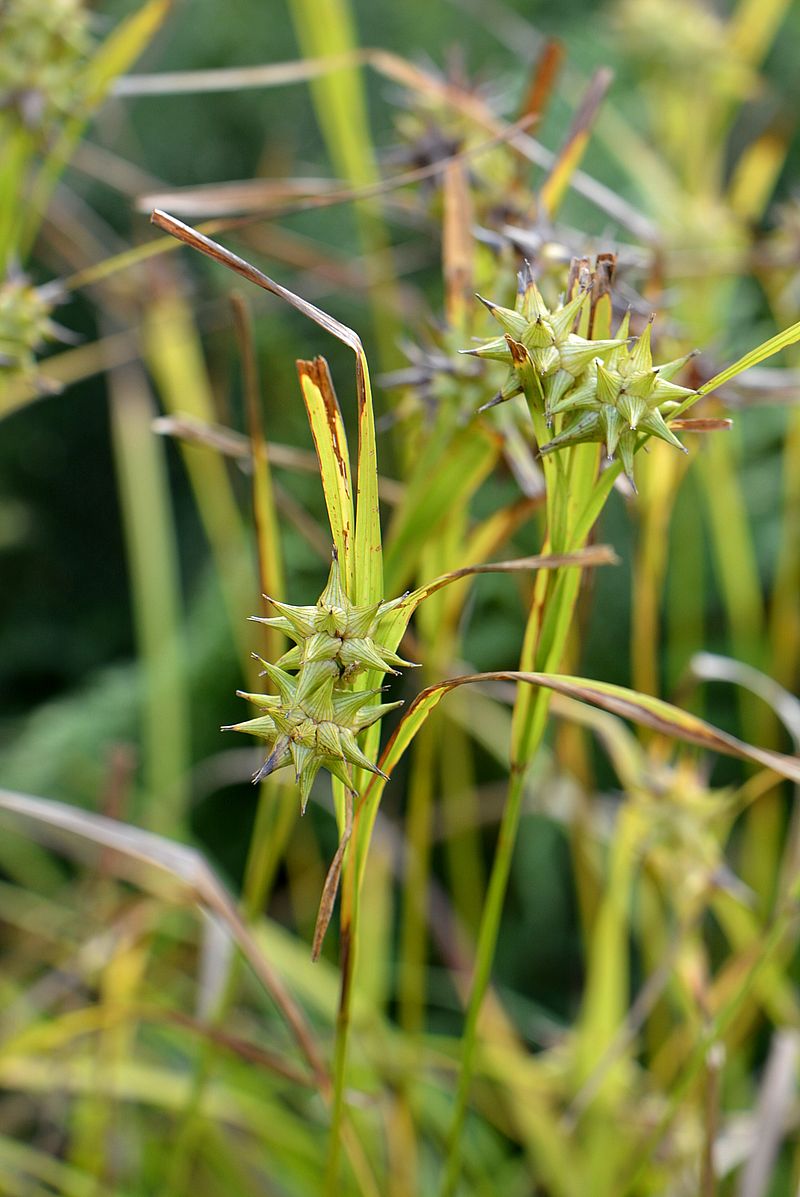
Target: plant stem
{"type": "Point", "coordinates": [347, 951]}
{"type": "Point", "coordinates": [484, 957]}
{"type": "Point", "coordinates": [575, 499]}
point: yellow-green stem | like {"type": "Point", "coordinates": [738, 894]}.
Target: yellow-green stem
{"type": "Point", "coordinates": [577, 495]}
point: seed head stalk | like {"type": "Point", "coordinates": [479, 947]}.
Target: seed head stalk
{"type": "Point", "coordinates": [576, 493]}
{"type": "Point", "coordinates": [554, 599]}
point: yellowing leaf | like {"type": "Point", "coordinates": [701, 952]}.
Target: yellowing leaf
{"type": "Point", "coordinates": [330, 440]}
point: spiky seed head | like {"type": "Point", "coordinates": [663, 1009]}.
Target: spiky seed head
{"type": "Point", "coordinates": [540, 345]}
{"type": "Point", "coordinates": [25, 325]}
{"type": "Point", "coordinates": [314, 718]}
{"type": "Point", "coordinates": [627, 396]}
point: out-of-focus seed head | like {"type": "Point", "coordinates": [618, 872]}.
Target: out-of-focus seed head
{"type": "Point", "coordinates": [687, 823]}
{"type": "Point", "coordinates": [25, 325]}
{"type": "Point", "coordinates": [681, 41]}
{"type": "Point", "coordinates": [44, 46]}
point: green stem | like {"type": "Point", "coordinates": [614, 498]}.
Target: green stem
{"type": "Point", "coordinates": [152, 556]}
{"type": "Point", "coordinates": [577, 498]}
{"type": "Point", "coordinates": [484, 958]}
{"type": "Point", "coordinates": [413, 938]}
{"type": "Point", "coordinates": [348, 938]}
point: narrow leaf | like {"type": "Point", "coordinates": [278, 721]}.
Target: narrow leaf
{"type": "Point", "coordinates": [368, 554]}
{"type": "Point", "coordinates": [330, 440]}
{"type": "Point", "coordinates": [650, 712]}
{"type": "Point", "coordinates": [781, 340]}
{"type": "Point", "coordinates": [458, 266]}
{"type": "Point", "coordinates": [543, 79]}
{"type": "Point", "coordinates": [121, 49]}
{"type": "Point", "coordinates": [212, 249]}
{"type": "Point", "coordinates": [397, 620]}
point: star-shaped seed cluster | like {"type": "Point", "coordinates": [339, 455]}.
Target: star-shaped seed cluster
{"type": "Point", "coordinates": [621, 400]}
{"type": "Point", "coordinates": [25, 325]}
{"type": "Point", "coordinates": [541, 342]}
{"type": "Point", "coordinates": [314, 718]}
{"type": "Point", "coordinates": [608, 391]}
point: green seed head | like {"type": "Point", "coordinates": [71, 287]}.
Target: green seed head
{"type": "Point", "coordinates": [335, 637]}
{"type": "Point", "coordinates": [313, 720]}
{"type": "Point", "coordinates": [24, 326]}
{"type": "Point", "coordinates": [620, 400]}
{"type": "Point", "coordinates": [544, 355]}
{"type": "Point", "coordinates": [312, 732]}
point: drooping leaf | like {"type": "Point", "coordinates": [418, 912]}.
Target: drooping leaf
{"type": "Point", "coordinates": [397, 619]}
{"type": "Point", "coordinates": [643, 709]}
{"type": "Point", "coordinates": [151, 859]}
{"type": "Point", "coordinates": [368, 570]}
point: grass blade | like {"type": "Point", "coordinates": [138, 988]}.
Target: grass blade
{"type": "Point", "coordinates": [368, 552]}
{"type": "Point", "coordinates": [330, 440]}
{"type": "Point", "coordinates": [577, 139]}
{"type": "Point", "coordinates": [643, 709]}
{"type": "Point", "coordinates": [152, 561]}
{"type": "Point", "coordinates": [782, 340]}
{"type": "Point", "coordinates": [189, 878]}
{"type": "Point", "coordinates": [117, 53]}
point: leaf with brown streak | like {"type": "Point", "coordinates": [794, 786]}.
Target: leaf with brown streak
{"type": "Point", "coordinates": [330, 440]}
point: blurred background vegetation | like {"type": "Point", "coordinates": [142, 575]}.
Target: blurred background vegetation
{"type": "Point", "coordinates": [123, 595]}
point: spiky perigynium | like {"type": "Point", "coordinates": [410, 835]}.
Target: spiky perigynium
{"type": "Point", "coordinates": [313, 720]}
{"type": "Point", "coordinates": [607, 391]}
{"type": "Point", "coordinates": [621, 400]}
{"type": "Point", "coordinates": [312, 732]}
{"type": "Point", "coordinates": [541, 344]}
